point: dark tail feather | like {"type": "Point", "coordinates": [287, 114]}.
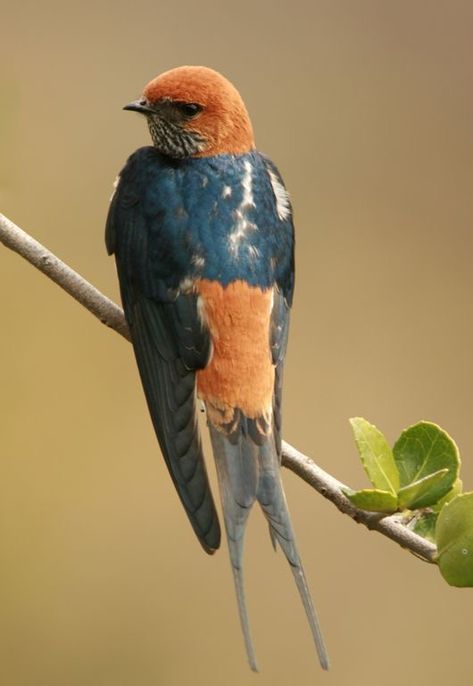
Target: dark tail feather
{"type": "Point", "coordinates": [238, 477]}
{"type": "Point", "coordinates": [246, 472]}
{"type": "Point", "coordinates": [270, 495]}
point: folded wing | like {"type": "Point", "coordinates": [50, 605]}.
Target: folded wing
{"type": "Point", "coordinates": [170, 344]}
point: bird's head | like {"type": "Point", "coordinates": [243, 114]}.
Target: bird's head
{"type": "Point", "coordinates": [195, 112]}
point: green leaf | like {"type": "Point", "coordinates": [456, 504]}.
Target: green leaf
{"type": "Point", "coordinates": [456, 489]}
{"type": "Point", "coordinates": [376, 455]}
{"type": "Point", "coordinates": [422, 450]}
{"type": "Point", "coordinates": [418, 493]}
{"type": "Point", "coordinates": [373, 500]}
{"type": "Point", "coordinates": [454, 535]}
{"type": "Point", "coordinates": [424, 525]}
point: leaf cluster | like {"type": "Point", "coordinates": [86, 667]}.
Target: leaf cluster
{"type": "Point", "coordinates": [419, 478]}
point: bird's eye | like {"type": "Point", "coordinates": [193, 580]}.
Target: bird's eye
{"type": "Point", "coordinates": [189, 109]}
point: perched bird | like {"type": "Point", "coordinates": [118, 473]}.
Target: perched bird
{"type": "Point", "coordinates": [201, 227]}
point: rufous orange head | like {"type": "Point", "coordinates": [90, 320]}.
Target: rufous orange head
{"type": "Point", "coordinates": [195, 112]}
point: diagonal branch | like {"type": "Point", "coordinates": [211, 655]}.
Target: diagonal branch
{"type": "Point", "coordinates": [390, 526]}
{"type": "Point", "coordinates": [110, 314]}
{"type": "Point", "coordinates": [73, 283]}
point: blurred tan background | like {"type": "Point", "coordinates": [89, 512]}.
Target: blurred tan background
{"type": "Point", "coordinates": [367, 108]}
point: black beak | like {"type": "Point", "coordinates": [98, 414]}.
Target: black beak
{"type": "Point", "coordinates": [142, 106]}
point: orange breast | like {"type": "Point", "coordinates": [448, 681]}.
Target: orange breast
{"type": "Point", "coordinates": [240, 373]}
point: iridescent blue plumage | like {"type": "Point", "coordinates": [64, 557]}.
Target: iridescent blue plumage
{"type": "Point", "coordinates": [187, 210]}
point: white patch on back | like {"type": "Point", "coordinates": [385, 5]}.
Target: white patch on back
{"type": "Point", "coordinates": [186, 285]}
{"type": "Point", "coordinates": [227, 191]}
{"type": "Point", "coordinates": [203, 322]}
{"type": "Point", "coordinates": [283, 206]}
{"type": "Point", "coordinates": [271, 304]}
{"type": "Point", "coordinates": [253, 252]}
{"type": "Point", "coordinates": [115, 185]}
{"type": "Point", "coordinates": [243, 225]}
{"type": "Point", "coordinates": [198, 261]}
{"type": "Point", "coordinates": [201, 309]}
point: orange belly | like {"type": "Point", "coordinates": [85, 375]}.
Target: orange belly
{"type": "Point", "coordinates": [240, 374]}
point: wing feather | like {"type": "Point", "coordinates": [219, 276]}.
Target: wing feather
{"type": "Point", "coordinates": [170, 344]}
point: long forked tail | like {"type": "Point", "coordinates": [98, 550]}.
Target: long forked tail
{"type": "Point", "coordinates": [249, 472]}
{"type": "Point", "coordinates": [270, 495]}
